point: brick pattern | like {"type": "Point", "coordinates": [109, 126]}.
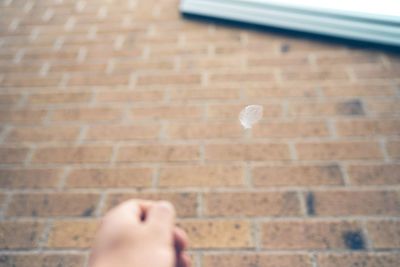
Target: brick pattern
{"type": "Point", "coordinates": [103, 101]}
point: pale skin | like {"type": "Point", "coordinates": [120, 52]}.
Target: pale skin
{"type": "Point", "coordinates": [140, 233]}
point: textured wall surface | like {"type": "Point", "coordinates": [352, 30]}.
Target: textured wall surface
{"type": "Point", "coordinates": [102, 101]}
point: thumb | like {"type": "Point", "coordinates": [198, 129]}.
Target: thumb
{"type": "Point", "coordinates": [161, 218]}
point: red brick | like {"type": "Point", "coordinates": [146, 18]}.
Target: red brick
{"type": "Point", "coordinates": [137, 64]}
{"type": "Point", "coordinates": [165, 79]}
{"type": "Point", "coordinates": [201, 176]}
{"type": "Point", "coordinates": [27, 116]}
{"type": "Point", "coordinates": [100, 79]}
{"type": "Point", "coordinates": [306, 234]}
{"type": "Point", "coordinates": [141, 153]}
{"type": "Point", "coordinates": [29, 80]}
{"type": "Point", "coordinates": [384, 234]}
{"type": "Point", "coordinates": [42, 260]}
{"type": "Point", "coordinates": [230, 111]}
{"type": "Point", "coordinates": [82, 154]}
{"type": "Point", "coordinates": [208, 234]}
{"type": "Point", "coordinates": [358, 90]}
{"type": "Point", "coordinates": [383, 174]}
{"type": "Point", "coordinates": [119, 132]}
{"type": "Point", "coordinates": [129, 96]}
{"type": "Point", "coordinates": [349, 203]}
{"type": "Point", "coordinates": [205, 63]}
{"type": "Point", "coordinates": [167, 112]}
{"type": "Point", "coordinates": [20, 235]}
{"type": "Point", "coordinates": [359, 259]}
{"type": "Point", "coordinates": [338, 150]}
{"type": "Point", "coordinates": [13, 155]}
{"type": "Point", "coordinates": [243, 77]}
{"type": "Point", "coordinates": [53, 204]}
{"type": "Point", "coordinates": [185, 203]}
{"type": "Point", "coordinates": [345, 58]}
{"type": "Point", "coordinates": [250, 152]}
{"type": "Point", "coordinates": [385, 107]}
{"type": "Point", "coordinates": [237, 259]}
{"type": "Point", "coordinates": [9, 99]}
{"type": "Point", "coordinates": [29, 178]}
{"type": "Point", "coordinates": [204, 130]}
{"type": "Point", "coordinates": [368, 127]}
{"type": "Point", "coordinates": [72, 234]}
{"type": "Point", "coordinates": [319, 75]}
{"type": "Point", "coordinates": [108, 178]}
{"type": "Point", "coordinates": [258, 92]}
{"type": "Point", "coordinates": [290, 129]}
{"type": "Point", "coordinates": [43, 134]}
{"type": "Point", "coordinates": [352, 107]}
{"type": "Point", "coordinates": [60, 98]}
{"type": "Point", "coordinates": [252, 204]}
{"type": "Point", "coordinates": [86, 114]}
{"type": "Point", "coordinates": [266, 176]}
{"type": "Point", "coordinates": [279, 61]}
{"type": "Point", "coordinates": [393, 149]}
{"type": "Point", "coordinates": [203, 94]}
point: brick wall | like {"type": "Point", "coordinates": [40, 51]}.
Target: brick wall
{"type": "Point", "coordinates": [106, 100]}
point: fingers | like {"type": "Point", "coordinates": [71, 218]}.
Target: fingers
{"type": "Point", "coordinates": [181, 240]}
{"type": "Point", "coordinates": [183, 261]}
{"type": "Point", "coordinates": [161, 219]}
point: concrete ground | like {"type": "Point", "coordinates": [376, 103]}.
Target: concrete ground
{"type": "Point", "coordinates": [102, 101]}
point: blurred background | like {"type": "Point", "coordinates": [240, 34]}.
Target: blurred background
{"type": "Point", "coordinates": [106, 100]}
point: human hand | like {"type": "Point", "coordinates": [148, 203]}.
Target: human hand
{"type": "Point", "coordinates": [140, 233]}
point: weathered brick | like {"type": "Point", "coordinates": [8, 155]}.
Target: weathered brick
{"type": "Point", "coordinates": [218, 234]}
{"type": "Point", "coordinates": [107, 178]}
{"type": "Point", "coordinates": [42, 260]}
{"type": "Point", "coordinates": [13, 154]}
{"type": "Point", "coordinates": [203, 94]}
{"type": "Point", "coordinates": [121, 132]}
{"type": "Point", "coordinates": [318, 75]}
{"type": "Point", "coordinates": [9, 99]}
{"type": "Point", "coordinates": [26, 116]}
{"type": "Point", "coordinates": [129, 96]}
{"type": "Point", "coordinates": [142, 153]}
{"type": "Point", "coordinates": [347, 203]}
{"type": "Point", "coordinates": [87, 114]}
{"type": "Point", "coordinates": [359, 259]}
{"type": "Point", "coordinates": [235, 259]}
{"type": "Point", "coordinates": [167, 112]}
{"type": "Point", "coordinates": [368, 127]}
{"type": "Point", "coordinates": [185, 203]}
{"type": "Point", "coordinates": [20, 235]}
{"type": "Point", "coordinates": [204, 130]}
{"type": "Point", "coordinates": [154, 79]}
{"type": "Point", "coordinates": [383, 174]}
{"type": "Point", "coordinates": [59, 98]}
{"type": "Point", "coordinates": [243, 77]}
{"type": "Point", "coordinates": [383, 107]}
{"type": "Point", "coordinates": [43, 134]}
{"type": "Point", "coordinates": [307, 234]}
{"type": "Point", "coordinates": [84, 79]}
{"type": "Point", "coordinates": [231, 111]}
{"type": "Point", "coordinates": [252, 204]}
{"type": "Point", "coordinates": [297, 175]}
{"type": "Point", "coordinates": [258, 92]}
{"type": "Point", "coordinates": [384, 234]}
{"type": "Point", "coordinates": [72, 234]}
{"type": "Point", "coordinates": [53, 204]}
{"type": "Point", "coordinates": [352, 107]}
{"type": "Point", "coordinates": [201, 176]}
{"type": "Point", "coordinates": [393, 149]}
{"type": "Point", "coordinates": [251, 152]}
{"type": "Point", "coordinates": [29, 178]}
{"type": "Point", "coordinates": [82, 154]}
{"type": "Point", "coordinates": [358, 90]}
{"type": "Point", "coordinates": [291, 129]}
{"type": "Point", "coordinates": [344, 58]}
{"type": "Point", "coordinates": [338, 150]}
